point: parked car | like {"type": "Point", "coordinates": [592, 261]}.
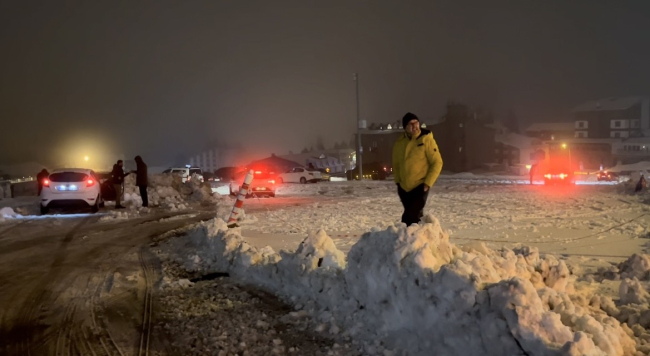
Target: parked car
{"type": "Point", "coordinates": [227, 174]}
{"type": "Point", "coordinates": [559, 176]}
{"type": "Point", "coordinates": [374, 171]}
{"type": "Point", "coordinates": [324, 175]}
{"type": "Point", "coordinates": [607, 176]}
{"type": "Point", "coordinates": [299, 175]}
{"type": "Point", "coordinates": [186, 173]}
{"type": "Point", "coordinates": [263, 183]}
{"type": "Point", "coordinates": [71, 187]}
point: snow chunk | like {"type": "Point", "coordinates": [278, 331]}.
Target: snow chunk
{"type": "Point", "coordinates": [8, 213]}
{"type": "Point", "coordinates": [632, 292]}
{"type": "Point", "coordinates": [322, 250]}
{"type": "Point", "coordinates": [637, 266]}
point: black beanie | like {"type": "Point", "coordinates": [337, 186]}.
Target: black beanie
{"type": "Point", "coordinates": [407, 118]}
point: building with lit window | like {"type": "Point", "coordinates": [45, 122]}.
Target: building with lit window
{"type": "Point", "coordinates": [613, 118]}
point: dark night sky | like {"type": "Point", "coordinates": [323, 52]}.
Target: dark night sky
{"type": "Point", "coordinates": [164, 78]}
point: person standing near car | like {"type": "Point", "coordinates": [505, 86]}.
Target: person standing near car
{"type": "Point", "coordinates": [40, 178]}
{"type": "Point", "coordinates": [142, 180]}
{"type": "Point", "coordinates": [533, 172]}
{"type": "Point", "coordinates": [117, 176]}
{"type": "Point", "coordinates": [416, 166]}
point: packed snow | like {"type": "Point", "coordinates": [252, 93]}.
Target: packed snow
{"type": "Point", "coordinates": [7, 213]}
{"type": "Point", "coordinates": [419, 293]}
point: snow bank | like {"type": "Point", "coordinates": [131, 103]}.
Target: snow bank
{"type": "Point", "coordinates": [169, 191]}
{"type": "Point", "coordinates": [417, 292]}
{"type": "Point", "coordinates": [639, 166]}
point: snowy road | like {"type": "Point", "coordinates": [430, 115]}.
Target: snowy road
{"type": "Point", "coordinates": [62, 283]}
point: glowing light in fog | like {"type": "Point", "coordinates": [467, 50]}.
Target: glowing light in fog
{"type": "Point", "coordinates": [86, 158]}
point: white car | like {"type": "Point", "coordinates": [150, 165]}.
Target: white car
{"type": "Point", "coordinates": [299, 175]}
{"type": "Point", "coordinates": [186, 173]}
{"type": "Point", "coordinates": [71, 186]}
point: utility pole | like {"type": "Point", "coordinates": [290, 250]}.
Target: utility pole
{"type": "Point", "coordinates": [359, 145]}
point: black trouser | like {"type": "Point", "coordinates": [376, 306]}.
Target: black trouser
{"type": "Point", "coordinates": [413, 202]}
{"type": "Point", "coordinates": [143, 195]}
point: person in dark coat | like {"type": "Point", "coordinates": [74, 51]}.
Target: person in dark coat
{"type": "Point", "coordinates": [141, 180]}
{"type": "Point", "coordinates": [117, 176]}
{"type": "Point", "coordinates": [641, 184]}
{"type": "Point", "coordinates": [40, 178]}
{"type": "Point", "coordinates": [533, 171]}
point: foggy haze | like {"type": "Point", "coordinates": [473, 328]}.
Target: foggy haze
{"type": "Point", "coordinates": [165, 79]}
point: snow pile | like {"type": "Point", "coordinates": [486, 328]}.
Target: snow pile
{"type": "Point", "coordinates": [8, 213]}
{"type": "Point", "coordinates": [637, 266]}
{"type": "Point", "coordinates": [199, 191]}
{"type": "Point", "coordinates": [417, 292]}
{"type": "Point", "coordinates": [168, 191]}
{"type": "Point", "coordinates": [632, 292]}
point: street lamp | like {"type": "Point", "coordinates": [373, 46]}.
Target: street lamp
{"type": "Point", "coordinates": [86, 158]}
{"type": "Point", "coordinates": [565, 146]}
{"type": "Point", "coordinates": [359, 145]}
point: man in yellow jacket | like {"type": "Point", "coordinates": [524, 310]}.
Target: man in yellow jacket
{"type": "Point", "coordinates": [416, 166]}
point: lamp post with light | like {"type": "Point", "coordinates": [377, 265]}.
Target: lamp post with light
{"type": "Point", "coordinates": [565, 146]}
{"type": "Point", "coordinates": [359, 145]}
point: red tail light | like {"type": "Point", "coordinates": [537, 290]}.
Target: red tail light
{"type": "Point", "coordinates": [272, 181]}
{"type": "Point", "coordinates": [258, 172]}
{"type": "Point", "coordinates": [90, 182]}
{"type": "Point", "coordinates": [547, 176]}
{"type": "Point", "coordinates": [46, 182]}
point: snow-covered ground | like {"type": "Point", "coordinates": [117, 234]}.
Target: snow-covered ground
{"type": "Point", "coordinates": [465, 283]}
{"type": "Point", "coordinates": [498, 268]}
{"type": "Point", "coordinates": [581, 220]}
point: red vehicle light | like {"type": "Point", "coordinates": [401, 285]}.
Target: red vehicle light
{"type": "Point", "coordinates": [46, 182]}
{"type": "Point", "coordinates": [562, 175]}
{"type": "Point", "coordinates": [547, 176]}
{"type": "Point", "coordinates": [258, 172]}
{"type": "Point", "coordinates": [272, 181]}
{"type": "Point", "coordinates": [90, 183]}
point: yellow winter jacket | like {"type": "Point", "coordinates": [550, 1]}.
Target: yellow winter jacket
{"type": "Point", "coordinates": [416, 160]}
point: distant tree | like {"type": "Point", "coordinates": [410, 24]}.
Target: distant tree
{"type": "Point", "coordinates": [304, 150]}
{"type": "Point", "coordinates": [512, 122]}
{"type": "Point", "coordinates": [319, 144]}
